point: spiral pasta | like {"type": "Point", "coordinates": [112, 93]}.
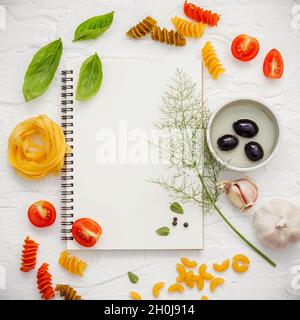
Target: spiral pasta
{"type": "Point", "coordinates": [211, 60]}
{"type": "Point", "coordinates": [44, 282]}
{"type": "Point", "coordinates": [142, 28]}
{"type": "Point", "coordinates": [199, 14]}
{"type": "Point", "coordinates": [169, 37]}
{"type": "Point", "coordinates": [187, 28]}
{"type": "Point", "coordinates": [36, 147]}
{"type": "Point", "coordinates": [30, 248]}
{"type": "Point", "coordinates": [67, 292]}
{"type": "Point", "coordinates": [72, 263]}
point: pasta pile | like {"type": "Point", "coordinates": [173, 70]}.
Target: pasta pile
{"type": "Point", "coordinates": [187, 28]}
{"type": "Point", "coordinates": [189, 276]}
{"type": "Point", "coordinates": [142, 28]}
{"type": "Point", "coordinates": [36, 147]}
{"type": "Point", "coordinates": [169, 37]}
{"type": "Point", "coordinates": [67, 292]}
{"type": "Point", "coordinates": [30, 248]}
{"type": "Point", "coordinates": [211, 60]}
{"type": "Point", "coordinates": [44, 282]}
{"type": "Point", "coordinates": [72, 263]}
{"type": "Point", "coordinates": [200, 15]}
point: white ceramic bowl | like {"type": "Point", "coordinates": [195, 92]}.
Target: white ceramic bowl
{"type": "Point", "coordinates": [240, 107]}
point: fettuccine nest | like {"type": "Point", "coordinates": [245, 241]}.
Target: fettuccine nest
{"type": "Point", "coordinates": [36, 148]}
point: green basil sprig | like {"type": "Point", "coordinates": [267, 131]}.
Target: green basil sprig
{"type": "Point", "coordinates": [90, 78]}
{"type": "Point", "coordinates": [93, 27]}
{"type": "Point", "coordinates": [163, 231]}
{"type": "Point", "coordinates": [41, 70]}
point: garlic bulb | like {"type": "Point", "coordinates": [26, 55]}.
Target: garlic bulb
{"type": "Point", "coordinates": [277, 223]}
{"type": "Point", "coordinates": [242, 193]}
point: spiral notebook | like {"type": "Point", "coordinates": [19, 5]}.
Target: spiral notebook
{"type": "Point", "coordinates": [106, 178]}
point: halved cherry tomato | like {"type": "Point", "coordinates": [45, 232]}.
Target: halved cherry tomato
{"type": "Point", "coordinates": [42, 214]}
{"type": "Point", "coordinates": [244, 47]}
{"type": "Point", "coordinates": [273, 65]}
{"type": "Point", "coordinates": [86, 231]}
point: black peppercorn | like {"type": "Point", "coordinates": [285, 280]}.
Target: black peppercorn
{"type": "Point", "coordinates": [175, 219]}
{"type": "Point", "coordinates": [174, 223]}
{"type": "Point", "coordinates": [185, 224]}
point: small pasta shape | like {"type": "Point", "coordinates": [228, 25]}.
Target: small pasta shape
{"type": "Point", "coordinates": [188, 263]}
{"type": "Point", "coordinates": [187, 28]}
{"type": "Point", "coordinates": [204, 297]}
{"type": "Point", "coordinates": [29, 252]}
{"type": "Point", "coordinates": [201, 15]}
{"type": "Point", "coordinates": [181, 272]}
{"type": "Point", "coordinates": [44, 282]}
{"type": "Point", "coordinates": [72, 263]}
{"type": "Point", "coordinates": [142, 28]}
{"type": "Point", "coordinates": [222, 267]}
{"type": "Point", "coordinates": [240, 263]}
{"type": "Point", "coordinates": [135, 295]}
{"type": "Point", "coordinates": [176, 287]}
{"type": "Point", "coordinates": [156, 288]}
{"type": "Point", "coordinates": [215, 283]}
{"type": "Point", "coordinates": [189, 279]}
{"type": "Point", "coordinates": [199, 282]}
{"type": "Point", "coordinates": [67, 292]}
{"type": "Point", "coordinates": [202, 272]}
{"type": "Point", "coordinates": [169, 37]}
{"type": "Point", "coordinates": [211, 60]}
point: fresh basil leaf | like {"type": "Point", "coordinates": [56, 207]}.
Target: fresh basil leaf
{"type": "Point", "coordinates": [41, 70]}
{"type": "Point", "coordinates": [133, 277]}
{"type": "Point", "coordinates": [176, 208]}
{"type": "Point", "coordinates": [90, 78]}
{"type": "Point", "coordinates": [94, 27]}
{"type": "Point", "coordinates": [163, 231]}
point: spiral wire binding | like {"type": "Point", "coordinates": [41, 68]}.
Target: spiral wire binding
{"type": "Point", "coordinates": [67, 177]}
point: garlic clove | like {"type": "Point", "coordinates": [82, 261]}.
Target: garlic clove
{"type": "Point", "coordinates": [242, 193]}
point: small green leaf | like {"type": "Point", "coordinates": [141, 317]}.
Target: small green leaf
{"type": "Point", "coordinates": [41, 70]}
{"type": "Point", "coordinates": [133, 277]}
{"type": "Point", "coordinates": [90, 78]}
{"type": "Point", "coordinates": [176, 208]}
{"type": "Point", "coordinates": [163, 231]}
{"type": "Point", "coordinates": [94, 27]}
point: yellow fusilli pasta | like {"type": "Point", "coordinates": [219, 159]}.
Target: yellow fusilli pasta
{"type": "Point", "coordinates": [169, 37]}
{"type": "Point", "coordinates": [67, 292]}
{"type": "Point", "coordinates": [187, 28]}
{"type": "Point", "coordinates": [211, 60]}
{"type": "Point", "coordinates": [72, 263]}
{"type": "Point", "coordinates": [142, 28]}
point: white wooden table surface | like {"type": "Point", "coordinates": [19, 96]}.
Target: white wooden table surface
{"type": "Point", "coordinates": [32, 23]}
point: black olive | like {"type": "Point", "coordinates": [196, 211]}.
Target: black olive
{"type": "Point", "coordinates": [254, 151]}
{"type": "Point", "coordinates": [227, 142]}
{"type": "Point", "coordinates": [245, 128]}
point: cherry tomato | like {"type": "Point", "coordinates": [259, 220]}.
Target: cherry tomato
{"type": "Point", "coordinates": [244, 47]}
{"type": "Point", "coordinates": [86, 232]}
{"type": "Point", "coordinates": [273, 65]}
{"type": "Point", "coordinates": [42, 214]}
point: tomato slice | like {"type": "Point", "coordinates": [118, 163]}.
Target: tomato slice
{"type": "Point", "coordinates": [42, 214]}
{"type": "Point", "coordinates": [273, 65]}
{"type": "Point", "coordinates": [244, 47]}
{"type": "Point", "coordinates": [86, 232]}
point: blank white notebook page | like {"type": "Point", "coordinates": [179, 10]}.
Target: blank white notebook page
{"type": "Point", "coordinates": [113, 159]}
